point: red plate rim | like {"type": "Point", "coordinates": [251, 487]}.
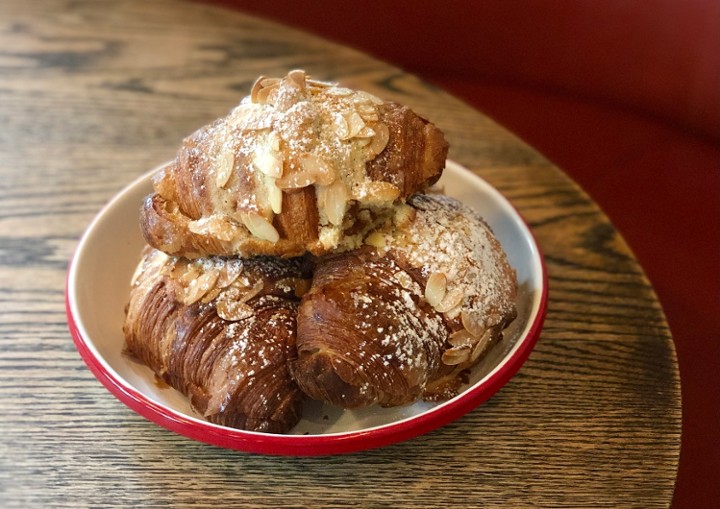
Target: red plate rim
{"type": "Point", "coordinates": [312, 445]}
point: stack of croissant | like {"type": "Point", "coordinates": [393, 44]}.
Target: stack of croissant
{"type": "Point", "coordinates": [292, 253]}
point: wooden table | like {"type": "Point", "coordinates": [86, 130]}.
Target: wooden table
{"type": "Point", "coordinates": [93, 94]}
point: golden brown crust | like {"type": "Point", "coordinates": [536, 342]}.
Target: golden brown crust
{"type": "Point", "coordinates": [406, 317]}
{"type": "Point", "coordinates": [293, 169]}
{"type": "Point", "coordinates": [222, 333]}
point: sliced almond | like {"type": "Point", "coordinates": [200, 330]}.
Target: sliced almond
{"type": "Point", "coordinates": [456, 355]}
{"type": "Point", "coordinates": [355, 124]}
{"type": "Point", "coordinates": [260, 227]}
{"type": "Point", "coordinates": [228, 274]}
{"type": "Point", "coordinates": [339, 91]}
{"type": "Point", "coordinates": [317, 168]}
{"type": "Point", "coordinates": [257, 86]}
{"type": "Point", "coordinates": [297, 77]}
{"type": "Point", "coordinates": [404, 279]}
{"type": "Point", "coordinates": [233, 311]}
{"type": "Point", "coordinates": [481, 345]}
{"type": "Point", "coordinates": [224, 166]}
{"type": "Point", "coordinates": [435, 289]}
{"type": "Point", "coordinates": [275, 195]}
{"type": "Point", "coordinates": [472, 323]}
{"type": "Point", "coordinates": [367, 96]}
{"type": "Point", "coordinates": [452, 300]}
{"type": "Point", "coordinates": [340, 126]}
{"type": "Point", "coordinates": [461, 338]}
{"type": "Point", "coordinates": [211, 295]}
{"type": "Point", "coordinates": [218, 226]}
{"type": "Point", "coordinates": [269, 164]}
{"type": "Point", "coordinates": [197, 288]}
{"type": "Point", "coordinates": [380, 140]}
{"type": "Point", "coordinates": [333, 200]}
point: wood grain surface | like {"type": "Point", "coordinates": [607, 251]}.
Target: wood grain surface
{"type": "Point", "coordinates": [93, 94]}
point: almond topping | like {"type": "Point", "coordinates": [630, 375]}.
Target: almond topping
{"type": "Point", "coordinates": [472, 323]}
{"type": "Point", "coordinates": [380, 140]}
{"type": "Point", "coordinates": [481, 345]}
{"type": "Point", "coordinates": [256, 88]}
{"type": "Point", "coordinates": [333, 200]}
{"type": "Point", "coordinates": [218, 226]}
{"type": "Point", "coordinates": [297, 78]}
{"type": "Point", "coordinates": [197, 288]}
{"type": "Point", "coordinates": [453, 299]}
{"type": "Point", "coordinates": [224, 165]}
{"type": "Point", "coordinates": [317, 168]}
{"type": "Point", "coordinates": [269, 164]}
{"type": "Point", "coordinates": [456, 355]}
{"type": "Point", "coordinates": [435, 289]}
{"type": "Point", "coordinates": [260, 227]}
{"type": "Point", "coordinates": [340, 126]}
{"type": "Point", "coordinates": [461, 338]}
{"type": "Point", "coordinates": [233, 311]}
{"type": "Point", "coordinates": [274, 193]}
{"type": "Point", "coordinates": [355, 124]}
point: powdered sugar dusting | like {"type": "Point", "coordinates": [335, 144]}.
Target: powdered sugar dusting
{"type": "Point", "coordinates": [449, 238]}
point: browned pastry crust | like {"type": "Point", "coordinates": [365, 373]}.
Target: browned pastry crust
{"type": "Point", "coordinates": [403, 318]}
{"type": "Point", "coordinates": [299, 166]}
{"type": "Point", "coordinates": [221, 332]}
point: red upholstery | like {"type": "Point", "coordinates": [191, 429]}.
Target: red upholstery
{"type": "Point", "coordinates": [623, 95]}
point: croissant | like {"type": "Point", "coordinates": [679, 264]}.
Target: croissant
{"type": "Point", "coordinates": [221, 332]}
{"type": "Point", "coordinates": [404, 317]}
{"type": "Point", "coordinates": [299, 166]}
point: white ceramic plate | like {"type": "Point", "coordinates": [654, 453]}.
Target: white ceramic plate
{"type": "Point", "coordinates": [98, 289]}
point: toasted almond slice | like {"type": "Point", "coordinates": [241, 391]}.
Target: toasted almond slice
{"type": "Point", "coordinates": [365, 133]}
{"type": "Point", "coordinates": [367, 96]}
{"type": "Point", "coordinates": [456, 355]}
{"type": "Point", "coordinates": [260, 227]}
{"type": "Point", "coordinates": [197, 288]}
{"type": "Point", "coordinates": [256, 89]}
{"type": "Point", "coordinates": [218, 226]}
{"type": "Point", "coordinates": [233, 311]}
{"type": "Point", "coordinates": [380, 140]}
{"type": "Point", "coordinates": [296, 179]}
{"type": "Point", "coordinates": [405, 280]}
{"type": "Point", "coordinates": [297, 77]}
{"type": "Point", "coordinates": [269, 164]}
{"type": "Point", "coordinates": [269, 82]}
{"type": "Point", "coordinates": [461, 338]}
{"type": "Point", "coordinates": [211, 295]}
{"type": "Point", "coordinates": [333, 201]}
{"type": "Point", "coordinates": [481, 345]}
{"type": "Point", "coordinates": [355, 124]}
{"type": "Point", "coordinates": [266, 94]}
{"type": "Point", "coordinates": [275, 195]}
{"type": "Point", "coordinates": [452, 299]}
{"type": "Point", "coordinates": [472, 323]}
{"type": "Point", "coordinates": [435, 289]}
{"type": "Point", "coordinates": [224, 166]}
{"type": "Point", "coordinates": [339, 91]}
{"type": "Point", "coordinates": [256, 288]}
{"type": "Point", "coordinates": [340, 126]}
{"type": "Point", "coordinates": [317, 168]}
{"type": "Point", "coordinates": [228, 274]}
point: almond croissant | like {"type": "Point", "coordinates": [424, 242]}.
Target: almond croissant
{"type": "Point", "coordinates": [401, 319]}
{"type": "Point", "coordinates": [221, 332]}
{"type": "Point", "coordinates": [299, 166]}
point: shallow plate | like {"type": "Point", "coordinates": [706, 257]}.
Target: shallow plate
{"type": "Point", "coordinates": [97, 290]}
